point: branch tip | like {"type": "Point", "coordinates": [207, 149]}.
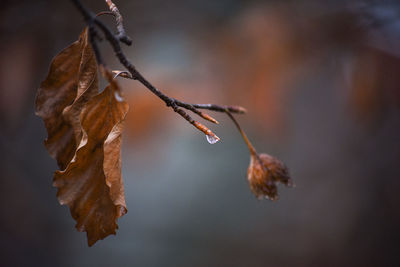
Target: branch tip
{"type": "Point", "coordinates": [212, 138]}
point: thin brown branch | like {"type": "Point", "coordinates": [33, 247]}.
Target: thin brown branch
{"type": "Point", "coordinates": [219, 108]}
{"type": "Point", "coordinates": [175, 104]}
{"type": "Point", "coordinates": [195, 107]}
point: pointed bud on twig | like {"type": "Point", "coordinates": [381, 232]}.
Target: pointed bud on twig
{"type": "Point", "coordinates": [208, 117]}
{"type": "Point", "coordinates": [211, 137]}
{"type": "Point", "coordinates": [237, 109]}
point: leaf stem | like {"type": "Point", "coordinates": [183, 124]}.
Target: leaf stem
{"type": "Point", "coordinates": [249, 144]}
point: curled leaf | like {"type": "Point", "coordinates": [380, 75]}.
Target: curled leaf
{"type": "Point", "coordinates": [84, 135]}
{"type": "Point", "coordinates": [71, 82]}
{"type": "Point", "coordinates": [264, 173]}
{"type": "Point", "coordinates": [91, 185]}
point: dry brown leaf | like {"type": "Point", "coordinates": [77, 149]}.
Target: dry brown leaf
{"type": "Point", "coordinates": [71, 82]}
{"type": "Point", "coordinates": [264, 173]}
{"type": "Point", "coordinates": [84, 135]}
{"type": "Point", "coordinates": [91, 185]}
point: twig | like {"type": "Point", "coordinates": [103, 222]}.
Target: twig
{"type": "Point", "coordinates": [194, 107]}
{"type": "Point", "coordinates": [175, 104]}
{"type": "Point", "coordinates": [121, 35]}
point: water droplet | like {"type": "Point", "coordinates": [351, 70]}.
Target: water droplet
{"type": "Point", "coordinates": [212, 139]}
{"type": "Point", "coordinates": [118, 97]}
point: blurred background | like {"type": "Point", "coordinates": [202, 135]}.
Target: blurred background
{"type": "Point", "coordinates": [321, 82]}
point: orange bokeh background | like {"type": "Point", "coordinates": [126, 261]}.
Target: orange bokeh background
{"type": "Point", "coordinates": [320, 81]}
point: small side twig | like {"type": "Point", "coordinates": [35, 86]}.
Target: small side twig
{"type": "Point", "coordinates": [121, 35]}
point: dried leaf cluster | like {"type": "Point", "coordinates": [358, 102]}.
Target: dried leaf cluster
{"type": "Point", "coordinates": [84, 135]}
{"type": "Point", "coordinates": [264, 173]}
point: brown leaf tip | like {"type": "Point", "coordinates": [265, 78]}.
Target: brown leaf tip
{"type": "Point", "coordinates": [264, 173]}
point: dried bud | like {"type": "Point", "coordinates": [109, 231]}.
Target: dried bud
{"type": "Point", "coordinates": [237, 109]}
{"type": "Point", "coordinates": [264, 173]}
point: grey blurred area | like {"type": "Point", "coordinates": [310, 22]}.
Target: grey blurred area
{"type": "Point", "coordinates": [321, 82]}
